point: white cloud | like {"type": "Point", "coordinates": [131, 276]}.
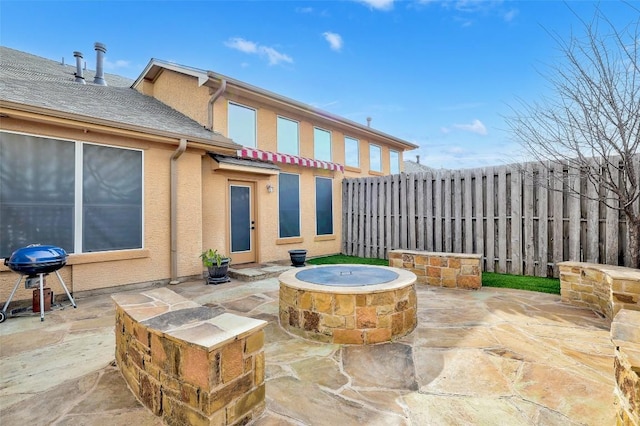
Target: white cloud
{"type": "Point", "coordinates": [378, 4]}
{"type": "Point", "coordinates": [272, 55]}
{"type": "Point", "coordinates": [334, 40]}
{"type": "Point", "coordinates": [242, 45]}
{"type": "Point", "coordinates": [476, 126]}
{"type": "Point", "coordinates": [510, 15]}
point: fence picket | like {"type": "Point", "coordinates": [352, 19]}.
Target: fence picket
{"type": "Point", "coordinates": [543, 221]}
{"type": "Point", "coordinates": [528, 240]}
{"type": "Point", "coordinates": [520, 217]}
{"type": "Point", "coordinates": [420, 196]}
{"type": "Point", "coordinates": [490, 235]}
{"type": "Point", "coordinates": [468, 213]}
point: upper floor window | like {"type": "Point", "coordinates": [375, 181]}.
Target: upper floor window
{"type": "Point", "coordinates": [287, 133]}
{"type": "Point", "coordinates": [375, 158]}
{"type": "Point", "coordinates": [241, 125]}
{"type": "Point", "coordinates": [394, 162]}
{"type": "Point", "coordinates": [321, 144]}
{"type": "Point", "coordinates": [351, 152]}
{"type": "Point", "coordinates": [75, 195]}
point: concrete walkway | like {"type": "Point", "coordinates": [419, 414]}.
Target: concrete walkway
{"type": "Point", "coordinates": [488, 357]}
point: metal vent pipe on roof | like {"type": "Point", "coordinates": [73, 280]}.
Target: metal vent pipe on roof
{"type": "Point", "coordinates": [101, 49]}
{"type": "Point", "coordinates": [79, 72]}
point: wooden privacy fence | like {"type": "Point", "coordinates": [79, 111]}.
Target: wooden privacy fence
{"type": "Point", "coordinates": [519, 217]}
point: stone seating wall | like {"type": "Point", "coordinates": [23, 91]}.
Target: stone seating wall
{"type": "Point", "coordinates": [188, 363]}
{"type": "Point", "coordinates": [603, 288]}
{"type": "Point", "coordinates": [625, 335]}
{"type": "Point", "coordinates": [613, 291]}
{"type": "Point", "coordinates": [453, 270]}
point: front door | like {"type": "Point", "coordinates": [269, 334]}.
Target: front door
{"type": "Point", "coordinates": [242, 218]}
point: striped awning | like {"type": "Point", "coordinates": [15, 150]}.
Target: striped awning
{"type": "Point", "coordinates": [259, 154]}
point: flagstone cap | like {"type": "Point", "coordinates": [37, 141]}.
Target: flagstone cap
{"type": "Point", "coordinates": [176, 317]}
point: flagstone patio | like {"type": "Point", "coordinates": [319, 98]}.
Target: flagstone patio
{"type": "Point", "coordinates": [487, 357]}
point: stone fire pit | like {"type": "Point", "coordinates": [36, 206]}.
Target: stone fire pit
{"type": "Point", "coordinates": [348, 304]}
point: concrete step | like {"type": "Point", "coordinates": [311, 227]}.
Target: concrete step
{"type": "Point", "coordinates": [257, 272]}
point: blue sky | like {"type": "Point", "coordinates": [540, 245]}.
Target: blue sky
{"type": "Point", "coordinates": [440, 74]}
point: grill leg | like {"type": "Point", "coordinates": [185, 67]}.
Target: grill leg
{"type": "Point", "coordinates": [41, 297]}
{"type": "Point", "coordinates": [73, 302]}
{"type": "Point", "coordinates": [15, 287]}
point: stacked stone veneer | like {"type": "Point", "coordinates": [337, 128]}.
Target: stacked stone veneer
{"type": "Point", "coordinates": [625, 334]}
{"type": "Point", "coordinates": [348, 315]}
{"type": "Point", "coordinates": [603, 288]}
{"type": "Point", "coordinates": [188, 363]}
{"type": "Point", "coordinates": [453, 270]}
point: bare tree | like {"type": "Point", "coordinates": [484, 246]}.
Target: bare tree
{"type": "Point", "coordinates": [591, 122]}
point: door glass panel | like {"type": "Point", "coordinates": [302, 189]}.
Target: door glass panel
{"type": "Point", "coordinates": [240, 218]}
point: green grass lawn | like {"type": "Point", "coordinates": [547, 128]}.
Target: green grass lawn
{"type": "Point", "coordinates": [489, 279]}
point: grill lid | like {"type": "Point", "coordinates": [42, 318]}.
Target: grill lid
{"type": "Point", "coordinates": [37, 259]}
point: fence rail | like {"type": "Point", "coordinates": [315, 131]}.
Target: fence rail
{"type": "Point", "coordinates": [521, 218]}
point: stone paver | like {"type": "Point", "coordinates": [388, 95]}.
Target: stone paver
{"type": "Point", "coordinates": [487, 357]}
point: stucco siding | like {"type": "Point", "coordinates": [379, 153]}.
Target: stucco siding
{"type": "Point", "coordinates": [90, 271]}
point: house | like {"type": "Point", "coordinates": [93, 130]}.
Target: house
{"type": "Point", "coordinates": [416, 167]}
{"type": "Point", "coordinates": [135, 178]}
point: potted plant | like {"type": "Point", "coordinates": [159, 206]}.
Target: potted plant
{"type": "Point", "coordinates": [218, 266]}
{"type": "Point", "coordinates": [298, 256]}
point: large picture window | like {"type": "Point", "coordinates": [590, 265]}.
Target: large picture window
{"type": "Point", "coordinates": [321, 144]}
{"type": "Point", "coordinates": [289, 205]}
{"type": "Point", "coordinates": [78, 196]}
{"type": "Point", "coordinates": [351, 152]}
{"type": "Point", "coordinates": [241, 125]}
{"type": "Point", "coordinates": [375, 158]}
{"type": "Point", "coordinates": [324, 206]}
{"type": "Point", "coordinates": [287, 133]}
{"type": "Point", "coordinates": [394, 162]}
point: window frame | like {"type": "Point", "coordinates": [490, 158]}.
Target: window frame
{"type": "Point", "coordinates": [255, 123]}
{"type": "Point", "coordinates": [315, 144]}
{"type": "Point", "coordinates": [346, 153]}
{"type": "Point", "coordinates": [317, 212]}
{"type": "Point", "coordinates": [78, 225]}
{"type": "Point", "coordinates": [397, 163]}
{"type": "Point", "coordinates": [299, 207]}
{"type": "Point", "coordinates": [371, 146]}
{"type": "Point", "coordinates": [278, 144]}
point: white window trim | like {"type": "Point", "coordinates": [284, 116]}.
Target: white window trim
{"type": "Point", "coordinates": [255, 124]}
{"type": "Point", "coordinates": [297, 133]}
{"type": "Point", "coordinates": [380, 148]}
{"type": "Point", "coordinates": [330, 143]}
{"type": "Point", "coordinates": [346, 161]}
{"type": "Point", "coordinates": [78, 189]}
{"type": "Point", "coordinates": [299, 205]}
{"type": "Point", "coordinates": [315, 195]}
{"type": "Point", "coordinates": [398, 162]}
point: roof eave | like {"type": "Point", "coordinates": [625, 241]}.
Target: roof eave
{"type": "Point", "coordinates": [212, 79]}
{"type": "Point", "coordinates": [36, 113]}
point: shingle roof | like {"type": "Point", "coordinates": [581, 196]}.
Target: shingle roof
{"type": "Point", "coordinates": [413, 167]}
{"type": "Point", "coordinates": [34, 81]}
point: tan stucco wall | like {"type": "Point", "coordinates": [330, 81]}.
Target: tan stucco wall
{"type": "Point", "coordinates": [183, 93]}
{"type": "Point", "coordinates": [92, 271]}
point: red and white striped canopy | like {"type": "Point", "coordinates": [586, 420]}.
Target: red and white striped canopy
{"type": "Point", "coordinates": [259, 154]}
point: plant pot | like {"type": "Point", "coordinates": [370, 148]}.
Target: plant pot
{"type": "Point", "coordinates": [298, 257]}
{"type": "Point", "coordinates": [218, 274]}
